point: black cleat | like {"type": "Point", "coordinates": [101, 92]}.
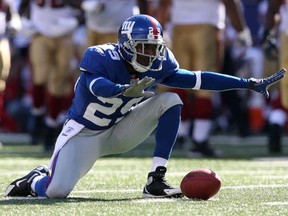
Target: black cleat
{"type": "Point", "coordinates": [203, 150]}
{"type": "Point", "coordinates": [21, 187]}
{"type": "Point", "coordinates": [157, 187]}
{"type": "Point", "coordinates": [262, 85]}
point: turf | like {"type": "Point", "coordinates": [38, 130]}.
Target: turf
{"type": "Point", "coordinates": [252, 184]}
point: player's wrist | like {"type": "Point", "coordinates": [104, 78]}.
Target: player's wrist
{"type": "Point", "coordinates": [122, 90]}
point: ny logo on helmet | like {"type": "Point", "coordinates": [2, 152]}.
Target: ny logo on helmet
{"type": "Point", "coordinates": [127, 28]}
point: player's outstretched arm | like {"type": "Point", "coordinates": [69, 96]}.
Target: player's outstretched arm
{"type": "Point", "coordinates": [262, 85]}
{"type": "Point", "coordinates": [221, 82]}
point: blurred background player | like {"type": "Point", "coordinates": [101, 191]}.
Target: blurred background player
{"type": "Point", "coordinates": [52, 23]}
{"type": "Point", "coordinates": [9, 24]}
{"type": "Point", "coordinates": [276, 23]}
{"type": "Point", "coordinates": [197, 41]}
{"type": "Point", "coordinates": [103, 18]}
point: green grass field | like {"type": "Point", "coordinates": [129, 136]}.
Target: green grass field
{"type": "Point", "coordinates": [253, 183]}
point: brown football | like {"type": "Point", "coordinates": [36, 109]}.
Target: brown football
{"type": "Point", "coordinates": [200, 184]}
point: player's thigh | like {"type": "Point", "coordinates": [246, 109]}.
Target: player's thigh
{"type": "Point", "coordinates": [41, 58]}
{"type": "Point", "coordinates": [1, 61]}
{"type": "Point", "coordinates": [208, 51]}
{"type": "Point", "coordinates": [5, 61]}
{"type": "Point", "coordinates": [60, 80]}
{"type": "Point", "coordinates": [140, 123]}
{"type": "Point", "coordinates": [284, 64]}
{"type": "Point", "coordinates": [92, 37]}
{"type": "Point", "coordinates": [107, 38]}
{"type": "Point", "coordinates": [181, 46]}
{"type": "Point", "coordinates": [96, 38]}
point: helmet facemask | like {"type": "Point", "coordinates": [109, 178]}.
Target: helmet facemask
{"type": "Point", "coordinates": [144, 53]}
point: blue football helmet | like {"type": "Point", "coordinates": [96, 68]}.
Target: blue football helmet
{"type": "Point", "coordinates": [140, 41]}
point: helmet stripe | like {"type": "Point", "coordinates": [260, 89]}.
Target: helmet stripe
{"type": "Point", "coordinates": [154, 24]}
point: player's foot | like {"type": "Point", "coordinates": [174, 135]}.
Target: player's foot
{"type": "Point", "coordinates": [50, 138]}
{"type": "Point", "coordinates": [262, 85]}
{"type": "Point", "coordinates": [158, 187]}
{"type": "Point", "coordinates": [275, 135]}
{"type": "Point", "coordinates": [202, 150]}
{"type": "Point", "coordinates": [37, 129]}
{"type": "Point", "coordinates": [21, 187]}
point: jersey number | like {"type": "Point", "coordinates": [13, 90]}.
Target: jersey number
{"type": "Point", "coordinates": [114, 55]}
{"type": "Point", "coordinates": [110, 106]}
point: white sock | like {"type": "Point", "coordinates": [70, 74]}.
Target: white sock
{"type": "Point", "coordinates": [201, 130]}
{"type": "Point", "coordinates": [158, 161]}
{"type": "Point", "coordinates": [277, 116]}
{"type": "Point", "coordinates": [184, 128]}
{"type": "Point", "coordinates": [35, 180]}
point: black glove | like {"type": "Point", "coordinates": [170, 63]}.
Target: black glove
{"type": "Point", "coordinates": [269, 45]}
{"type": "Point", "coordinates": [262, 85]}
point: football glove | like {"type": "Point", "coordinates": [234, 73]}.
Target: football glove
{"type": "Point", "coordinates": [136, 88]}
{"type": "Point", "coordinates": [262, 85]}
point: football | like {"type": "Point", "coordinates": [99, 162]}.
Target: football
{"type": "Point", "coordinates": [200, 184]}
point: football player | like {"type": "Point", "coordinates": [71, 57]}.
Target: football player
{"type": "Point", "coordinates": [197, 41]}
{"type": "Point", "coordinates": [9, 24]}
{"type": "Point", "coordinates": [50, 53]}
{"type": "Point", "coordinates": [278, 117]}
{"type": "Point", "coordinates": [114, 110]}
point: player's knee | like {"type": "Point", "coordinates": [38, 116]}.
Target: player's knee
{"type": "Point", "coordinates": [58, 190]}
{"type": "Point", "coordinates": [170, 99]}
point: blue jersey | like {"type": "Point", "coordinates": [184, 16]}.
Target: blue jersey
{"type": "Point", "coordinates": [98, 103]}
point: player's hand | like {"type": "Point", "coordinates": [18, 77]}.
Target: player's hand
{"type": "Point", "coordinates": [245, 38]}
{"type": "Point", "coordinates": [269, 46]}
{"type": "Point", "coordinates": [262, 85]}
{"type": "Point", "coordinates": [136, 89]}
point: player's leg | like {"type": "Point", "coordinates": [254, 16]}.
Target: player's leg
{"type": "Point", "coordinates": [284, 64]}
{"type": "Point", "coordinates": [256, 106]}
{"type": "Point", "coordinates": [96, 38]}
{"type": "Point", "coordinates": [134, 128]}
{"type": "Point", "coordinates": [162, 111]}
{"type": "Point", "coordinates": [74, 161]}
{"type": "Point", "coordinates": [207, 55]}
{"type": "Point", "coordinates": [5, 63]}
{"type": "Point", "coordinates": [279, 104]}
{"type": "Point", "coordinates": [39, 55]}
{"type": "Point", "coordinates": [59, 89]}
{"type": "Point", "coordinates": [276, 117]}
{"type": "Point", "coordinates": [70, 161]}
{"type": "Point", "coordinates": [185, 124]}
{"type": "Point", "coordinates": [182, 50]}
